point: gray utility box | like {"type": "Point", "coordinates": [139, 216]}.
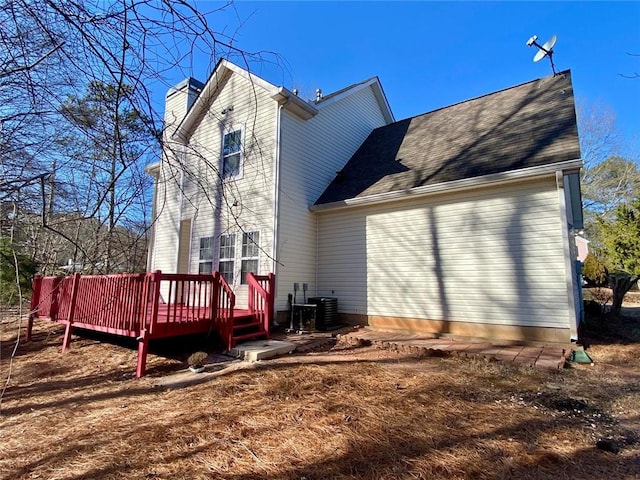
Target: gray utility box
{"type": "Point", "coordinates": [326, 312]}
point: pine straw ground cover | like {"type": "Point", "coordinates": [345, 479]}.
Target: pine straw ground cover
{"type": "Point", "coordinates": [341, 413]}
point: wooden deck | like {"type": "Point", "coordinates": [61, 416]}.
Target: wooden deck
{"type": "Point", "coordinates": [153, 305]}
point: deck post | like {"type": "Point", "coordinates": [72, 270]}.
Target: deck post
{"type": "Point", "coordinates": [36, 285]}
{"type": "Point", "coordinates": [146, 330]}
{"type": "Point", "coordinates": [72, 307]}
{"type": "Point", "coordinates": [27, 337]}
{"type": "Point", "coordinates": [157, 278]}
{"type": "Point", "coordinates": [143, 349]}
{"type": "Point", "coordinates": [214, 298]}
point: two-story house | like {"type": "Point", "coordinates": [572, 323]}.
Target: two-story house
{"type": "Point", "coordinates": [459, 221]}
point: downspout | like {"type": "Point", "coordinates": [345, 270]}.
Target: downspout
{"type": "Point", "coordinates": [180, 207]}
{"type": "Point", "coordinates": [569, 261]}
{"type": "Point", "coordinates": [191, 225]}
{"type": "Point", "coordinates": [151, 254]}
{"type": "Point", "coordinates": [317, 253]}
{"type": "Point", "coordinates": [276, 193]}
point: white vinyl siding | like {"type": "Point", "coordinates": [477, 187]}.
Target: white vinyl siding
{"type": "Point", "coordinates": [243, 204]}
{"type": "Point", "coordinates": [312, 152]}
{"type": "Point", "coordinates": [166, 225]}
{"type": "Point", "coordinates": [191, 184]}
{"type": "Point", "coordinates": [491, 255]}
{"type": "Point", "coordinates": [171, 252]}
{"type": "Point", "coordinates": [169, 187]}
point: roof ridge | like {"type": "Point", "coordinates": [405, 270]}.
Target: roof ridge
{"type": "Point", "coordinates": [344, 89]}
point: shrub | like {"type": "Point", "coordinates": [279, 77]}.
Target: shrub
{"type": "Point", "coordinates": [197, 359]}
{"type": "Point", "coordinates": [594, 271]}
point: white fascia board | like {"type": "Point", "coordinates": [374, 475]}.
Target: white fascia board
{"type": "Point", "coordinates": [183, 131]}
{"type": "Point", "coordinates": [530, 173]}
{"type": "Point", "coordinates": [153, 169]}
{"type": "Point", "coordinates": [375, 85]}
{"type": "Point", "coordinates": [382, 100]}
{"type": "Point", "coordinates": [247, 75]}
{"type": "Point", "coordinates": [293, 103]}
{"type": "Point", "coordinates": [208, 93]}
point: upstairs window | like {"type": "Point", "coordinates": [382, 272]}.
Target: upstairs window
{"type": "Point", "coordinates": [232, 154]}
{"type": "Point", "coordinates": [250, 251]}
{"type": "Point", "coordinates": [227, 256]}
{"type": "Point", "coordinates": [205, 266]}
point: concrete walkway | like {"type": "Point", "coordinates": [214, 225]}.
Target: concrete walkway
{"type": "Point", "coordinates": [541, 356]}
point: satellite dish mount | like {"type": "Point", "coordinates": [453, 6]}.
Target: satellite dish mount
{"type": "Point", "coordinates": [545, 50]}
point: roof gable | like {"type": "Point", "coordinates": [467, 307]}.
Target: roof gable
{"type": "Point", "coordinates": [526, 126]}
{"type": "Point", "coordinates": [212, 87]}
{"type": "Point", "coordinates": [376, 86]}
{"type": "Point", "coordinates": [305, 110]}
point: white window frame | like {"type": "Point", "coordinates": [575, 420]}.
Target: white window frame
{"type": "Point", "coordinates": [240, 153]}
{"type": "Point", "coordinates": [204, 261]}
{"type": "Point", "coordinates": [249, 252]}
{"type": "Point", "coordinates": [225, 257]}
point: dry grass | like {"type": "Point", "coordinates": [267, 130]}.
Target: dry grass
{"type": "Point", "coordinates": [344, 413]}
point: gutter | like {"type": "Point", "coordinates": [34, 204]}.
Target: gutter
{"type": "Point", "coordinates": [153, 169]}
{"type": "Point", "coordinates": [453, 186]}
{"type": "Point", "coordinates": [294, 103]}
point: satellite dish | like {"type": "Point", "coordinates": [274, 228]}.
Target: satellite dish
{"type": "Point", "coordinates": [545, 50]}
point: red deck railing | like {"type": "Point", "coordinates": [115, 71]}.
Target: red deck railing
{"type": "Point", "coordinates": [151, 305]}
{"type": "Point", "coordinates": [261, 298]}
{"type": "Point", "coordinates": [182, 301]}
{"type": "Point", "coordinates": [110, 303]}
{"type": "Point", "coordinates": [225, 303]}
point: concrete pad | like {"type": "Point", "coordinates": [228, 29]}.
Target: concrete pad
{"type": "Point", "coordinates": [262, 349]}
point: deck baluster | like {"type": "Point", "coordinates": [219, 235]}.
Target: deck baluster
{"type": "Point", "coordinates": [72, 307]}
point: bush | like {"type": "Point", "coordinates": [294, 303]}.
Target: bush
{"type": "Point", "coordinates": [197, 359]}
{"type": "Point", "coordinates": [594, 271]}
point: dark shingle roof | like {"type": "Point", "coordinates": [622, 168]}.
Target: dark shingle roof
{"type": "Point", "coordinates": [525, 126]}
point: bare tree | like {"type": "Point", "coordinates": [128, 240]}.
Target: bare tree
{"type": "Point", "coordinates": [56, 50]}
{"type": "Point", "coordinates": [610, 175]}
{"type": "Point", "coordinates": [52, 206]}
{"type": "Point", "coordinates": [609, 184]}
{"type": "Point", "coordinates": [600, 136]}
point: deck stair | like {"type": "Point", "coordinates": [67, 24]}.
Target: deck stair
{"type": "Point", "coordinates": [248, 327]}
{"type": "Point", "coordinates": [254, 323]}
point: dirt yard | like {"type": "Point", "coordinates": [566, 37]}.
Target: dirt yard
{"type": "Point", "coordinates": [343, 412]}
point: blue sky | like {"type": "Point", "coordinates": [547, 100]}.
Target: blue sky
{"type": "Point", "coordinates": [432, 54]}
